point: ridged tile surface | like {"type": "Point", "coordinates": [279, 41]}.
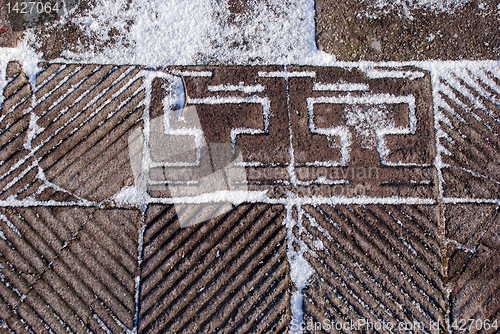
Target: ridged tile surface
{"type": "Point", "coordinates": [374, 263]}
{"type": "Point", "coordinates": [68, 269]}
{"type": "Point", "coordinates": [85, 249]}
{"type": "Point", "coordinates": [226, 276]}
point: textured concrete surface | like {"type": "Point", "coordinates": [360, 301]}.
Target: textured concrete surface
{"type": "Point", "coordinates": [74, 260]}
{"type": "Point", "coordinates": [227, 276]}
{"type": "Point", "coordinates": [68, 269]}
{"type": "Point", "coordinates": [382, 186]}
{"type": "Point", "coordinates": [376, 255]}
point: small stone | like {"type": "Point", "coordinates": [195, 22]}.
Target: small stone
{"type": "Point", "coordinates": [375, 44]}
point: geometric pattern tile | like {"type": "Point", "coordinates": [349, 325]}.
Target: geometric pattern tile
{"type": "Point", "coordinates": [344, 132]}
{"type": "Point", "coordinates": [243, 107]}
{"type": "Point", "coordinates": [361, 132]}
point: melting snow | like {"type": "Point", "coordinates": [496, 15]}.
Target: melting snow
{"type": "Point", "coordinates": [406, 6]}
{"type": "Point", "coordinates": [159, 32]}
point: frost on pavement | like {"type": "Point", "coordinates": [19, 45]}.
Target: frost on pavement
{"type": "Point", "coordinates": [266, 31]}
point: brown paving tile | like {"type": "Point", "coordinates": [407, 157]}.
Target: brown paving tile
{"type": "Point", "coordinates": [473, 232]}
{"type": "Point", "coordinates": [352, 103]}
{"type": "Point", "coordinates": [467, 226]}
{"type": "Point", "coordinates": [379, 263]}
{"type": "Point", "coordinates": [475, 294]}
{"type": "Point", "coordinates": [31, 239]}
{"type": "Point", "coordinates": [262, 109]}
{"type": "Point", "coordinates": [228, 275]}
{"type": "Point", "coordinates": [402, 167]}
{"type": "Point", "coordinates": [84, 115]}
{"type": "Point", "coordinates": [85, 145]}
{"type": "Point", "coordinates": [69, 269]}
{"type": "Point", "coordinates": [467, 101]}
{"type": "Point", "coordinates": [13, 130]}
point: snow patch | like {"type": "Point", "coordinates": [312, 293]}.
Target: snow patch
{"type": "Point", "coordinates": [33, 131]}
{"type": "Point", "coordinates": [366, 121]}
{"type": "Point", "coordinates": [264, 31]}
{"type": "Point", "coordinates": [340, 86]}
{"type": "Point", "coordinates": [300, 271]}
{"type": "Point", "coordinates": [249, 89]}
{"type": "Point", "coordinates": [318, 244]}
{"type": "Point", "coordinates": [132, 195]}
{"type": "Point", "coordinates": [405, 7]}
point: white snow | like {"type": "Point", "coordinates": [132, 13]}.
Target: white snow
{"type": "Point", "coordinates": [318, 244]}
{"type": "Point", "coordinates": [286, 74]}
{"type": "Point", "coordinates": [340, 86]}
{"type": "Point", "coordinates": [248, 89]}
{"type": "Point", "coordinates": [300, 271]}
{"type": "Point", "coordinates": [132, 195]}
{"type": "Point", "coordinates": [159, 32]}
{"type": "Point", "coordinates": [375, 73]}
{"type": "Point", "coordinates": [367, 120]}
{"type": "Point", "coordinates": [404, 7]}
{"type": "Point", "coordinates": [192, 73]}
{"type": "Point", "coordinates": [33, 130]}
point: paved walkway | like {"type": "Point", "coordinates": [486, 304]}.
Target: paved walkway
{"type": "Point", "coordinates": [335, 194]}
